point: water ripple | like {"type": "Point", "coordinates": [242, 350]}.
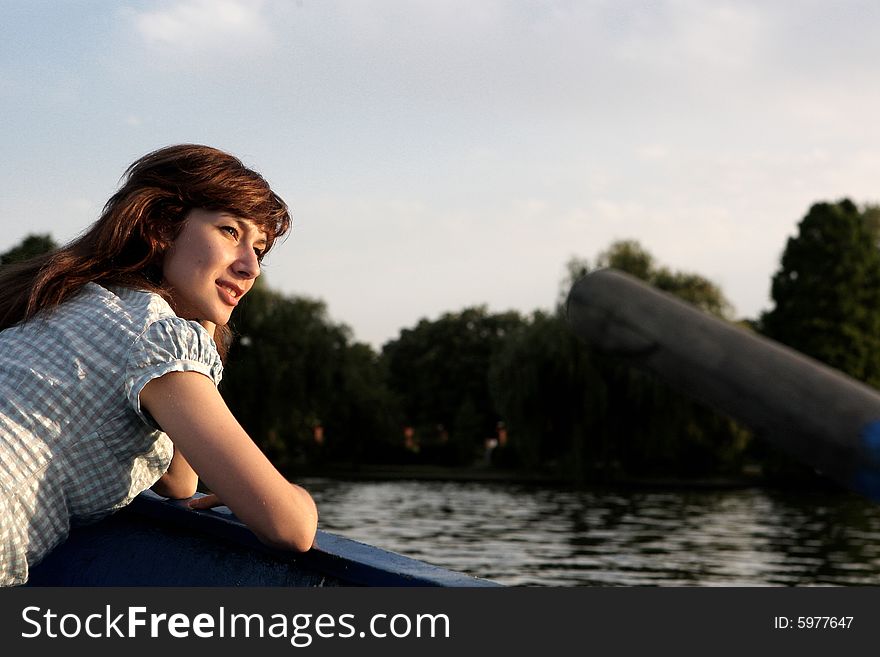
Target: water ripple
{"type": "Point", "coordinates": [525, 536]}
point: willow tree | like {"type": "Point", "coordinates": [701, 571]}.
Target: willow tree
{"type": "Point", "coordinates": [650, 428]}
{"type": "Point", "coordinates": [438, 372]}
{"type": "Point", "coordinates": [298, 383]}
{"type": "Point", "coordinates": [552, 398]}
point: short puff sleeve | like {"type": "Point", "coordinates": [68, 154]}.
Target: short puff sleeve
{"type": "Point", "coordinates": [167, 345]}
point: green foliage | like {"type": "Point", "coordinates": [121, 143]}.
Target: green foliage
{"type": "Point", "coordinates": [694, 289]}
{"type": "Point", "coordinates": [438, 373]}
{"type": "Point", "coordinates": [30, 246]}
{"type": "Point", "coordinates": [291, 371]}
{"type": "Point", "coordinates": [827, 290]}
{"type": "Point", "coordinates": [630, 257]}
{"type": "Point", "coordinates": [659, 431]}
{"type": "Point", "coordinates": [552, 398]}
{"type": "Point", "coordinates": [633, 423]}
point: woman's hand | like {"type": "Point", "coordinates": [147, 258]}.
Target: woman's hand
{"type": "Point", "coordinates": [208, 501]}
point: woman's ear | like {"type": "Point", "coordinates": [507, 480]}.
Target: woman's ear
{"type": "Point", "coordinates": [164, 238]}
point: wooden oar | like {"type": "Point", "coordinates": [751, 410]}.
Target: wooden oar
{"type": "Point", "coordinates": [817, 414]}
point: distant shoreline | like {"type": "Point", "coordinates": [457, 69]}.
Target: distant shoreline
{"type": "Point", "coordinates": [487, 474]}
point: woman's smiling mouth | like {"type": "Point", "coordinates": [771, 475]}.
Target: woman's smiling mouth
{"type": "Point", "coordinates": [231, 293]}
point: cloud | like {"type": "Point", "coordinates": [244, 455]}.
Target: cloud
{"type": "Point", "coordinates": [652, 152]}
{"type": "Point", "coordinates": [694, 34]}
{"type": "Point", "coordinates": [215, 26]}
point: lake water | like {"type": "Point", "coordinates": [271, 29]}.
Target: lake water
{"type": "Point", "coordinates": [539, 536]}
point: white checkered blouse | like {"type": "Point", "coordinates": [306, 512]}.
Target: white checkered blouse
{"type": "Point", "coordinates": [74, 442]}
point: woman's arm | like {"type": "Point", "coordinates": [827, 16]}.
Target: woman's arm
{"type": "Point", "coordinates": [179, 481]}
{"type": "Point", "coordinates": [191, 411]}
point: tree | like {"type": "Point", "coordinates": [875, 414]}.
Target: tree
{"type": "Point", "coordinates": [827, 290]}
{"type": "Point", "coordinates": [632, 258]}
{"type": "Point", "coordinates": [438, 371]}
{"type": "Point", "coordinates": [299, 386]}
{"type": "Point", "coordinates": [648, 427]}
{"type": "Point", "coordinates": [552, 398]}
{"type": "Point", "coordinates": [30, 246]}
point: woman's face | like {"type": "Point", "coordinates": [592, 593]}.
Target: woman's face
{"type": "Point", "coordinates": [212, 264]}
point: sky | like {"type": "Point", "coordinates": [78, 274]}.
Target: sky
{"type": "Point", "coordinates": [440, 154]}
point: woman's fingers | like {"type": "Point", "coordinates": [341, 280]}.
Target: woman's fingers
{"type": "Point", "coordinates": [205, 502]}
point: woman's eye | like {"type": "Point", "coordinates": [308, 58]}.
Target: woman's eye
{"type": "Point", "coordinates": [260, 253]}
{"type": "Point", "coordinates": [231, 230]}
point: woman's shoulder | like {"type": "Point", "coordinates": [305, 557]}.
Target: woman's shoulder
{"type": "Point", "coordinates": [139, 307]}
{"type": "Point", "coordinates": [120, 322]}
{"type": "Point", "coordinates": [154, 324]}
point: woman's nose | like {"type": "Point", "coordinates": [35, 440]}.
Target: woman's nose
{"type": "Point", "coordinates": [247, 264]}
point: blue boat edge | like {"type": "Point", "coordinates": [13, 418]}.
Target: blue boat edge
{"type": "Point", "coordinates": [159, 542]}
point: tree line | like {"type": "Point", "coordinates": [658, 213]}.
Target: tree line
{"type": "Point", "coordinates": [519, 391]}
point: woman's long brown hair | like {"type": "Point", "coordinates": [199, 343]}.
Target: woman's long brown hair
{"type": "Point", "coordinates": [126, 244]}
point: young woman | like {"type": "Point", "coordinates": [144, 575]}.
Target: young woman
{"type": "Point", "coordinates": [110, 356]}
